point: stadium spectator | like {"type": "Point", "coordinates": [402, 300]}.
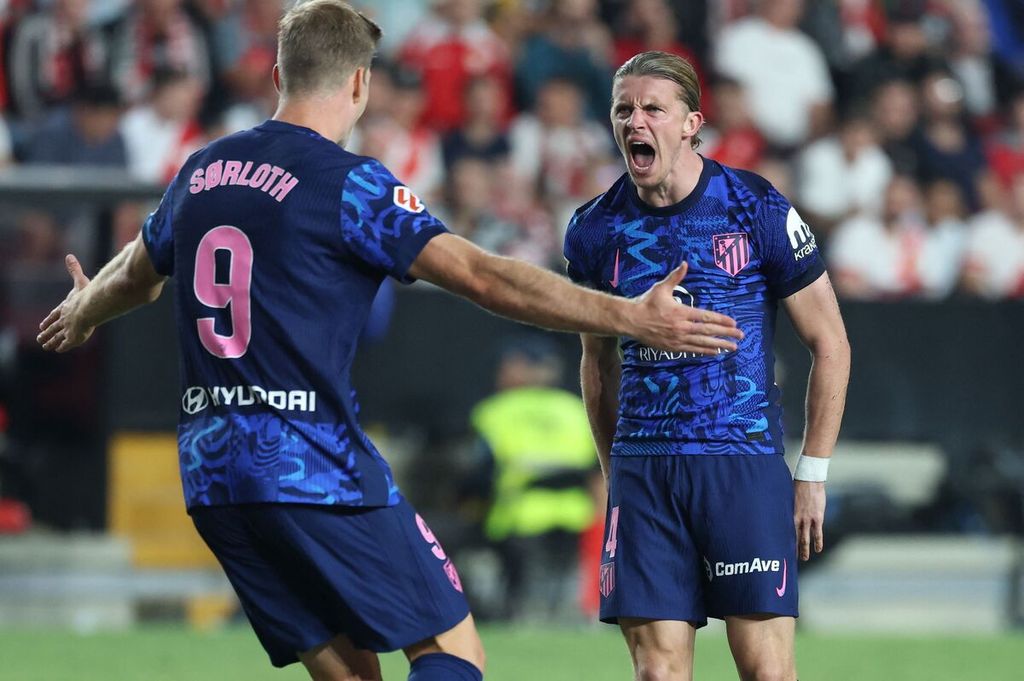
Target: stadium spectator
{"type": "Point", "coordinates": [483, 134]}
{"type": "Point", "coordinates": [1005, 151]}
{"type": "Point", "coordinates": [898, 254]}
{"type": "Point", "coordinates": [396, 135]}
{"type": "Point", "coordinates": [537, 443]}
{"type": "Point", "coordinates": [571, 45]}
{"type": "Point", "coordinates": [730, 136]}
{"type": "Point", "coordinates": [945, 144]}
{"type": "Point", "coordinates": [842, 174]}
{"type": "Point", "coordinates": [971, 62]}
{"type": "Point", "coordinates": [558, 148]}
{"type": "Point", "coordinates": [447, 49]}
{"type": "Point", "coordinates": [782, 70]}
{"type": "Point", "coordinates": [470, 207]}
{"type": "Point", "coordinates": [895, 116]}
{"type": "Point", "coordinates": [84, 134]}
{"type": "Point", "coordinates": [52, 53]}
{"type": "Point", "coordinates": [155, 36]}
{"type": "Point", "coordinates": [652, 25]}
{"type": "Point", "coordinates": [994, 262]}
{"type": "Point", "coordinates": [161, 134]}
{"type": "Point", "coordinates": [244, 45]}
{"type": "Point", "coordinates": [905, 54]}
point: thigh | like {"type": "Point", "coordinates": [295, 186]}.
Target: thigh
{"type": "Point", "coordinates": [650, 565]}
{"type": "Point", "coordinates": [660, 649]}
{"type": "Point", "coordinates": [747, 534]}
{"type": "Point", "coordinates": [340, 659]}
{"type": "Point", "coordinates": [763, 646]}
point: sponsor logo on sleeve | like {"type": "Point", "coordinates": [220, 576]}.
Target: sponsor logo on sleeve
{"type": "Point", "coordinates": [404, 198]}
{"type": "Point", "coordinates": [800, 237]}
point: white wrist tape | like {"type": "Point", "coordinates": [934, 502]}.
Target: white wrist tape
{"type": "Point", "coordinates": [811, 468]}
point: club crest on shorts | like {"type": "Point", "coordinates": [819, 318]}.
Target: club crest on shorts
{"type": "Point", "coordinates": [606, 582]}
{"type": "Point", "coordinates": [404, 198]}
{"type": "Point", "coordinates": [732, 252]}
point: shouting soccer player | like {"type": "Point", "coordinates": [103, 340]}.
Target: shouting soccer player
{"type": "Point", "coordinates": [703, 519]}
{"type": "Point", "coordinates": [279, 239]}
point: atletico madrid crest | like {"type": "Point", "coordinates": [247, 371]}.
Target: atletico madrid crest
{"type": "Point", "coordinates": [606, 582]}
{"type": "Point", "coordinates": [732, 252]}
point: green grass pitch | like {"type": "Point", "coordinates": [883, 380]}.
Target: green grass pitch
{"type": "Point", "coordinates": [233, 654]}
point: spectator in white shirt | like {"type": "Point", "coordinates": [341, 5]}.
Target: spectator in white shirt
{"type": "Point", "coordinates": [994, 265]}
{"type": "Point", "coordinates": [843, 174]}
{"type": "Point", "coordinates": [783, 71]}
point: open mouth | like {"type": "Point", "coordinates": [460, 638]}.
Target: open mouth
{"type": "Point", "coordinates": [642, 154]}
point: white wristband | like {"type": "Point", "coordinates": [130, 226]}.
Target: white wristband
{"type": "Point", "coordinates": [811, 468]}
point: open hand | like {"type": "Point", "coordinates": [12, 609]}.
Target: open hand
{"type": "Point", "coordinates": [665, 324]}
{"type": "Point", "coordinates": [62, 329]}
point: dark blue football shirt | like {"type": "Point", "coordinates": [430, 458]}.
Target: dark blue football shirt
{"type": "Point", "coordinates": [747, 248]}
{"type": "Point", "coordinates": [278, 239]}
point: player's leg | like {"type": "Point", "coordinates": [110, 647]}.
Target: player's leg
{"type": "Point", "coordinates": [651, 577]}
{"type": "Point", "coordinates": [455, 655]}
{"type": "Point", "coordinates": [662, 650]}
{"type": "Point", "coordinates": [749, 543]}
{"type": "Point", "coordinates": [340, 660]}
{"type": "Point", "coordinates": [763, 647]}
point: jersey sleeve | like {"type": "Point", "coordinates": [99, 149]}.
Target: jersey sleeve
{"type": "Point", "coordinates": [575, 252]}
{"type": "Point", "coordinates": [382, 222]}
{"type": "Point", "coordinates": [788, 250]}
{"type": "Point", "coordinates": [158, 234]}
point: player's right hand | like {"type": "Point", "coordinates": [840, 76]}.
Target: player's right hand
{"type": "Point", "coordinates": [662, 322]}
{"type": "Point", "coordinates": [62, 329]}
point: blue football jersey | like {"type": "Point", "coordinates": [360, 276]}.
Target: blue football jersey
{"type": "Point", "coordinates": [747, 248]}
{"type": "Point", "coordinates": [279, 239]}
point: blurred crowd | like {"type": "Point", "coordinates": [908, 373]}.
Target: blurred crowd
{"type": "Point", "coordinates": [895, 126]}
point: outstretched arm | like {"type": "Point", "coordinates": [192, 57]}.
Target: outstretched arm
{"type": "Point", "coordinates": [126, 282]}
{"type": "Point", "coordinates": [526, 293]}
{"type": "Point", "coordinates": [600, 375]}
{"type": "Point", "coordinates": [816, 318]}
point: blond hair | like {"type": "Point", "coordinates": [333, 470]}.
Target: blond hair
{"type": "Point", "coordinates": [670, 67]}
{"type": "Point", "coordinates": [320, 43]}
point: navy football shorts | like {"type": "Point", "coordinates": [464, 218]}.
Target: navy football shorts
{"type": "Point", "coordinates": [692, 537]}
{"type": "Point", "coordinates": [305, 574]}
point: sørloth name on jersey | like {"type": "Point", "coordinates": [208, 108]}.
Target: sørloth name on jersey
{"type": "Point", "coordinates": [197, 398]}
{"type": "Point", "coordinates": [268, 178]}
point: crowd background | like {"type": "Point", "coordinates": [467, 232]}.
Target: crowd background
{"type": "Point", "coordinates": [896, 127]}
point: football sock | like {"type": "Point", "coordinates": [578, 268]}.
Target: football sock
{"type": "Point", "coordinates": [443, 667]}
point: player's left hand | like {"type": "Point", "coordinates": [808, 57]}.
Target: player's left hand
{"type": "Point", "coordinates": [62, 329]}
{"type": "Point", "coordinates": [809, 516]}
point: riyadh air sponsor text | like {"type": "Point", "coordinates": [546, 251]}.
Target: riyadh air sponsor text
{"type": "Point", "coordinates": [198, 398]}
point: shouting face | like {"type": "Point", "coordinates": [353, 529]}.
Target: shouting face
{"type": "Point", "coordinates": [653, 127]}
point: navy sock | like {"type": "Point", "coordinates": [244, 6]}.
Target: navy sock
{"type": "Point", "coordinates": [443, 667]}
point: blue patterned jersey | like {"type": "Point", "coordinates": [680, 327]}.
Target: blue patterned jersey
{"type": "Point", "coordinates": [279, 240]}
{"type": "Point", "coordinates": [746, 248]}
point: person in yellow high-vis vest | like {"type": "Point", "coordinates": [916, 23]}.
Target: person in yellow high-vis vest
{"type": "Point", "coordinates": [542, 452]}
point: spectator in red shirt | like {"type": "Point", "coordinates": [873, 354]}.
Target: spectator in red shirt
{"type": "Point", "coordinates": [449, 49]}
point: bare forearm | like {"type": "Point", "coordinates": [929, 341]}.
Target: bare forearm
{"type": "Point", "coordinates": [600, 386]}
{"type": "Point", "coordinates": [520, 291]}
{"type": "Point", "coordinates": [826, 397]}
{"type": "Point", "coordinates": [117, 288]}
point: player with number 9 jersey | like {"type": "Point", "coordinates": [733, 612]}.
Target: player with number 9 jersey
{"type": "Point", "coordinates": [279, 240]}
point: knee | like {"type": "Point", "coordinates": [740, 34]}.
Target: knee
{"type": "Point", "coordinates": [660, 668]}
